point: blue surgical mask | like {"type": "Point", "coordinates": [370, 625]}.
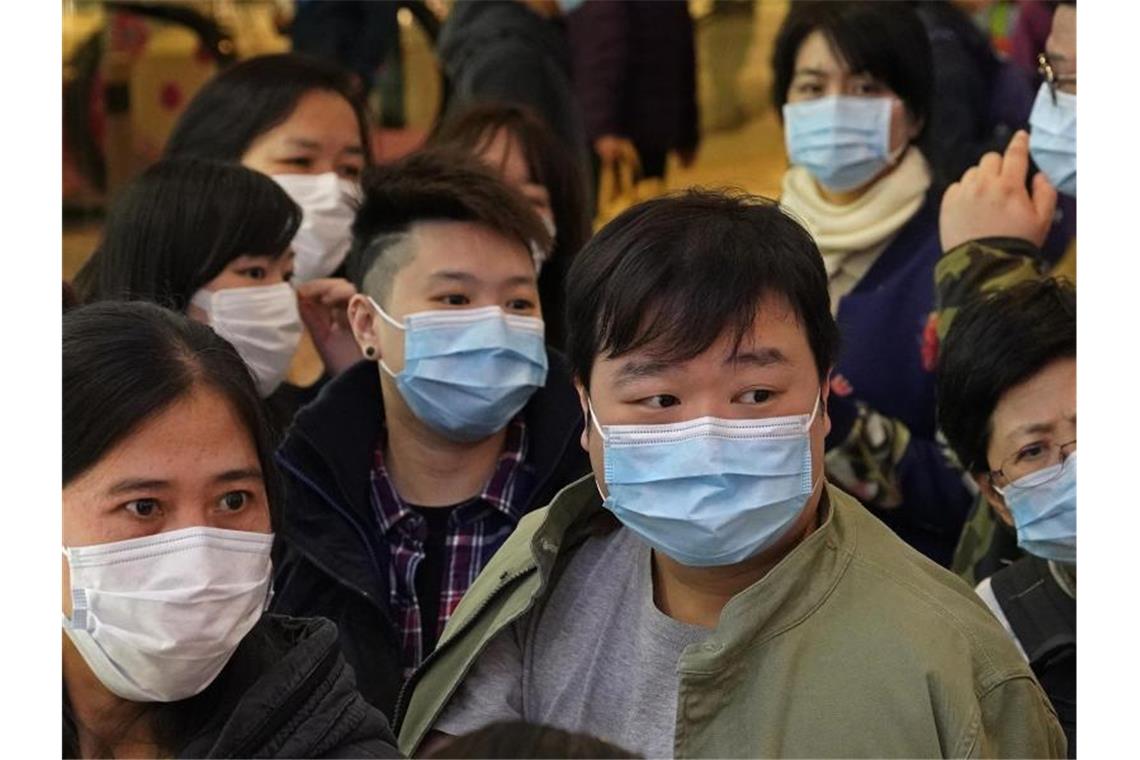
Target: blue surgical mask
{"type": "Point", "coordinates": [467, 372]}
{"type": "Point", "coordinates": [709, 491]}
{"type": "Point", "coordinates": [1044, 509]}
{"type": "Point", "coordinates": [1053, 138]}
{"type": "Point", "coordinates": [843, 141]}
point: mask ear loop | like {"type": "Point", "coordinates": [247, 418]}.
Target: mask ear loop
{"type": "Point", "coordinates": [398, 325]}
{"type": "Point", "coordinates": [598, 427]}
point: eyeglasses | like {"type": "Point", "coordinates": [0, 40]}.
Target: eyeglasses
{"type": "Point", "coordinates": [1030, 460]}
{"type": "Point", "coordinates": [1046, 70]}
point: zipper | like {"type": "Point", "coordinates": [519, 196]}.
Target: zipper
{"type": "Point", "coordinates": [409, 685]}
{"type": "Point", "coordinates": [288, 709]}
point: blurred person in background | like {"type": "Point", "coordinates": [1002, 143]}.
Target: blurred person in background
{"type": "Point", "coordinates": [1007, 400]}
{"type": "Point", "coordinates": [523, 150]}
{"type": "Point", "coordinates": [853, 82]}
{"type": "Point", "coordinates": [514, 51]}
{"type": "Point", "coordinates": [298, 120]}
{"type": "Point", "coordinates": [635, 78]}
{"type": "Point", "coordinates": [302, 122]}
{"type": "Point", "coordinates": [212, 241]}
{"type": "Point", "coordinates": [355, 34]}
{"type": "Point", "coordinates": [169, 504]}
{"type": "Point", "coordinates": [978, 100]}
{"type": "Point", "coordinates": [412, 467]}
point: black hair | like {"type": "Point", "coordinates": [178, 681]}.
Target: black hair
{"type": "Point", "coordinates": [250, 98]}
{"type": "Point", "coordinates": [549, 165]}
{"type": "Point", "coordinates": [675, 272]}
{"type": "Point", "coordinates": [885, 40]}
{"type": "Point", "coordinates": [432, 185]}
{"type": "Point", "coordinates": [124, 363]}
{"type": "Point", "coordinates": [179, 225]}
{"type": "Point", "coordinates": [516, 738]}
{"type": "Point", "coordinates": [996, 342]}
{"type": "Point", "coordinates": [473, 129]}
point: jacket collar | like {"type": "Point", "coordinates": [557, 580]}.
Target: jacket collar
{"type": "Point", "coordinates": [332, 441]}
{"type": "Point", "coordinates": [790, 592]}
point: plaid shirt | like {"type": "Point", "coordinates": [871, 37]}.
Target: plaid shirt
{"type": "Point", "coordinates": [476, 530]}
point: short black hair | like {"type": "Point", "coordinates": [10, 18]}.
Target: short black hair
{"type": "Point", "coordinates": [179, 225]}
{"type": "Point", "coordinates": [438, 184]}
{"type": "Point", "coordinates": [884, 39]}
{"type": "Point", "coordinates": [996, 342]}
{"type": "Point", "coordinates": [252, 97]}
{"type": "Point", "coordinates": [124, 363]}
{"type": "Point", "coordinates": [675, 272]}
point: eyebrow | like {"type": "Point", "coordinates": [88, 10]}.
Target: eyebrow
{"type": "Point", "coordinates": [301, 142]}
{"type": "Point", "coordinates": [467, 277]}
{"type": "Point", "coordinates": [137, 484]}
{"type": "Point", "coordinates": [633, 370]}
{"type": "Point", "coordinates": [246, 473]}
{"type": "Point", "coordinates": [810, 72]}
{"type": "Point", "coordinates": [761, 357]}
{"type": "Point", "coordinates": [153, 484]}
{"type": "Point", "coordinates": [354, 150]}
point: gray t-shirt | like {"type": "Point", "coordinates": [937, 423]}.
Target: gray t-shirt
{"type": "Point", "coordinates": [596, 657]}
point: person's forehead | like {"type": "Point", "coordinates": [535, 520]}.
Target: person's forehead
{"type": "Point", "coordinates": [816, 53]}
{"type": "Point", "coordinates": [1062, 40]}
{"type": "Point", "coordinates": [503, 153]}
{"type": "Point", "coordinates": [195, 436]}
{"type": "Point", "coordinates": [323, 116]}
{"type": "Point", "coordinates": [468, 246]}
{"type": "Point", "coordinates": [1047, 396]}
{"type": "Point", "coordinates": [775, 328]}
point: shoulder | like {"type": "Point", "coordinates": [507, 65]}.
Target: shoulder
{"type": "Point", "coordinates": [927, 613]}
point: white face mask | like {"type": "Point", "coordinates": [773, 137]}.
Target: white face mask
{"type": "Point", "coordinates": [329, 206]}
{"type": "Point", "coordinates": [157, 618]}
{"type": "Point", "coordinates": [261, 322]}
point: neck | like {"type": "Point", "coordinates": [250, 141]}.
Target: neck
{"type": "Point", "coordinates": [105, 723]}
{"type": "Point", "coordinates": [427, 469]}
{"type": "Point", "coordinates": [697, 595]}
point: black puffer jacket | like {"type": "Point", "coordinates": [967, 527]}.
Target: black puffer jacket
{"type": "Point", "coordinates": [289, 693]}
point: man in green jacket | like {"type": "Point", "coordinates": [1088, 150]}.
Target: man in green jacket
{"type": "Point", "coordinates": [706, 593]}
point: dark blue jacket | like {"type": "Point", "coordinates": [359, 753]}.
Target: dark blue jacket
{"type": "Point", "coordinates": [331, 559]}
{"type": "Point", "coordinates": [882, 323]}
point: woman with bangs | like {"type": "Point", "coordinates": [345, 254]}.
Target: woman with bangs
{"type": "Point", "coordinates": [853, 82]}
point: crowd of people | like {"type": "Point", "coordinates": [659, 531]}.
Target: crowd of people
{"type": "Point", "coordinates": [732, 476]}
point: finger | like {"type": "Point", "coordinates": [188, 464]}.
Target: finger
{"type": "Point", "coordinates": [970, 178]}
{"type": "Point", "coordinates": [1015, 164]}
{"type": "Point", "coordinates": [990, 165]}
{"type": "Point", "coordinates": [1044, 199]}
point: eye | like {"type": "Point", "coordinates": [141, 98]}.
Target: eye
{"type": "Point", "coordinates": [520, 304]}
{"type": "Point", "coordinates": [235, 501]}
{"type": "Point", "coordinates": [254, 273]}
{"type": "Point", "coordinates": [288, 276]}
{"type": "Point", "coordinates": [661, 401]}
{"type": "Point", "coordinates": [143, 508]}
{"type": "Point", "coordinates": [301, 161]}
{"type": "Point", "coordinates": [755, 396]}
{"type": "Point", "coordinates": [866, 87]}
{"type": "Point", "coordinates": [1032, 452]}
{"type": "Point", "coordinates": [454, 299]}
{"type": "Point", "coordinates": [348, 172]}
{"type": "Point", "coordinates": [809, 88]}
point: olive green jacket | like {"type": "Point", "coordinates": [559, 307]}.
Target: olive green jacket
{"type": "Point", "coordinates": [854, 645]}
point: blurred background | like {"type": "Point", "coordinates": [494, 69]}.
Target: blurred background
{"type": "Point", "coordinates": [130, 67]}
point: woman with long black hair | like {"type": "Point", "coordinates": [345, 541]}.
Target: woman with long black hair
{"type": "Point", "coordinates": [169, 503]}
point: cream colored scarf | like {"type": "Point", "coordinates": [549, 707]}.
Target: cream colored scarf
{"type": "Point", "coordinates": [865, 225]}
